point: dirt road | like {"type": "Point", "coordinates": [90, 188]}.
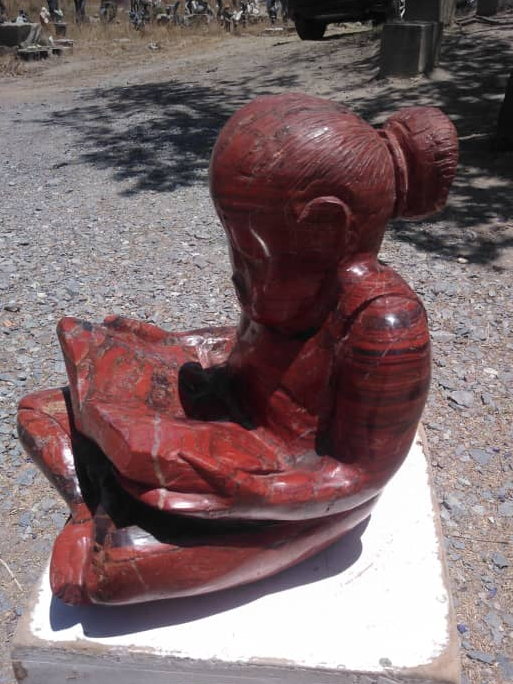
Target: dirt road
{"type": "Point", "coordinates": [104, 208]}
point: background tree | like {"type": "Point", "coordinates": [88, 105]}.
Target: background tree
{"type": "Point", "coordinates": [504, 135]}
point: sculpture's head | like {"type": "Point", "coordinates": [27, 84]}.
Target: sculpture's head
{"type": "Point", "coordinates": [302, 184]}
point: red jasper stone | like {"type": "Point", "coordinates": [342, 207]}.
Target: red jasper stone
{"type": "Point", "coordinates": [197, 461]}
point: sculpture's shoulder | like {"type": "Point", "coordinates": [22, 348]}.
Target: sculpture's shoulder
{"type": "Point", "coordinates": [373, 299]}
{"type": "Point", "coordinates": [365, 281]}
{"type": "Point", "coordinates": [379, 313]}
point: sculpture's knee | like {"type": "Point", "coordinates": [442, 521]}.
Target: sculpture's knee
{"type": "Point", "coordinates": [45, 433]}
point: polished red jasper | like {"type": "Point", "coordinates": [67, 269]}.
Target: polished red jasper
{"type": "Point", "coordinates": [196, 461]}
{"type": "Point", "coordinates": [95, 560]}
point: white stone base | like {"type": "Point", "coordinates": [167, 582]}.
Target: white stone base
{"type": "Point", "coordinates": [372, 609]}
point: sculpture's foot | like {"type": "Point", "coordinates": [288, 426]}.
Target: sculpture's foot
{"type": "Point", "coordinates": [70, 560]}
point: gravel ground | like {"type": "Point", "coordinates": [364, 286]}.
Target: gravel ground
{"type": "Point", "coordinates": [105, 209]}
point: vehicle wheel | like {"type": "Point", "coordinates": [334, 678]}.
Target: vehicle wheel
{"type": "Point", "coordinates": [309, 29]}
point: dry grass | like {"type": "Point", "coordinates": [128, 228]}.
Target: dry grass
{"type": "Point", "coordinates": [10, 65]}
{"type": "Point", "coordinates": [118, 39]}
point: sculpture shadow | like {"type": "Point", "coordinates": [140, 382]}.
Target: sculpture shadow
{"type": "Point", "coordinates": [109, 621]}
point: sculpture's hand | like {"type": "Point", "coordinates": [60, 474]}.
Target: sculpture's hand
{"type": "Point", "coordinates": [318, 488]}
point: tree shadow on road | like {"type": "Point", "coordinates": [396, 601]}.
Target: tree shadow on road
{"type": "Point", "coordinates": [156, 136]}
{"type": "Point", "coordinates": [159, 136]}
{"type": "Point", "coordinates": [469, 87]}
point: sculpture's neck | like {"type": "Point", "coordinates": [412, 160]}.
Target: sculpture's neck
{"type": "Point", "coordinates": [261, 351]}
{"type": "Point", "coordinates": [264, 359]}
{"type": "Point", "coordinates": [257, 363]}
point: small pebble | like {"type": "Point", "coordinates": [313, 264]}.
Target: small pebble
{"type": "Point", "coordinates": [499, 560]}
{"type": "Point", "coordinates": [462, 398]}
{"type": "Point", "coordinates": [481, 657]}
{"type": "Point", "coordinates": [506, 509]}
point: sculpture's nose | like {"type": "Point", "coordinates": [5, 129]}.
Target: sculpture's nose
{"type": "Point", "coordinates": [251, 278]}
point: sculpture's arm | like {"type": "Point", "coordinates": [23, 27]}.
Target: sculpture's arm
{"type": "Point", "coordinates": [209, 345]}
{"type": "Point", "coordinates": [382, 381]}
{"type": "Point", "coordinates": [317, 487]}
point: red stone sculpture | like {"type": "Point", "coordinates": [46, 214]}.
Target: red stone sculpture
{"type": "Point", "coordinates": [197, 461]}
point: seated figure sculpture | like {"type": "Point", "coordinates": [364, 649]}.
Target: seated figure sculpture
{"type": "Point", "coordinates": [196, 461]}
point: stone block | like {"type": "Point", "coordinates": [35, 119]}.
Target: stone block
{"type": "Point", "coordinates": [60, 28]}
{"type": "Point", "coordinates": [66, 44]}
{"type": "Point", "coordinates": [33, 54]}
{"type": "Point", "coordinates": [372, 609]}
{"type": "Point", "coordinates": [409, 48]}
{"type": "Point", "coordinates": [12, 34]}
{"type": "Point", "coordinates": [430, 10]}
{"type": "Point", "coordinates": [487, 8]}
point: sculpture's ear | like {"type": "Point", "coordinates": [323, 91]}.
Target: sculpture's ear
{"type": "Point", "coordinates": [327, 221]}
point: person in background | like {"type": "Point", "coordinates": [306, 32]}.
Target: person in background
{"type": "Point", "coordinates": [80, 15]}
{"type": "Point", "coordinates": [272, 10]}
{"type": "Point", "coordinates": [22, 17]}
{"type": "Point", "coordinates": [55, 13]}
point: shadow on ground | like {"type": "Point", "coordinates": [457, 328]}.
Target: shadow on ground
{"type": "Point", "coordinates": [469, 88]}
{"type": "Point", "coordinates": [159, 136]}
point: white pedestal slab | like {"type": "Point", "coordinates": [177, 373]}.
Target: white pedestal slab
{"type": "Point", "coordinates": [372, 609]}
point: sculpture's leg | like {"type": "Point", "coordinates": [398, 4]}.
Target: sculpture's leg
{"type": "Point", "coordinates": [44, 429]}
{"type": "Point", "coordinates": [95, 561]}
{"type": "Point", "coordinates": [128, 565]}
{"type": "Point", "coordinates": [46, 432]}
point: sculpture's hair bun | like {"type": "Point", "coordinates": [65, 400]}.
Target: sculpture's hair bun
{"type": "Point", "coordinates": [424, 145]}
